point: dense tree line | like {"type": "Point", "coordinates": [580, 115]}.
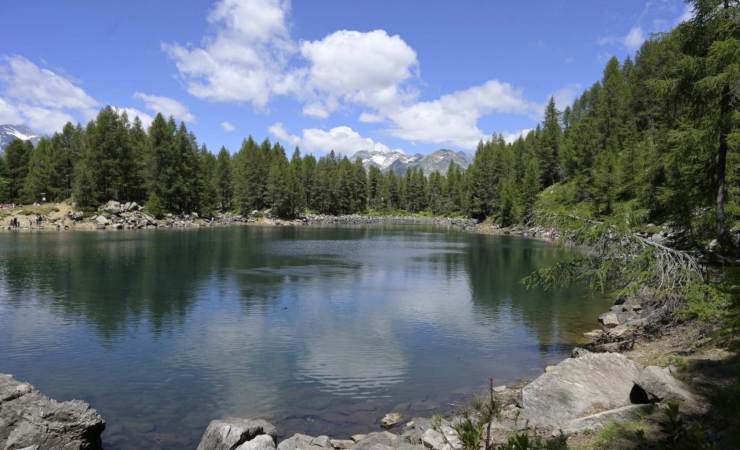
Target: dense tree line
{"type": "Point", "coordinates": [657, 136]}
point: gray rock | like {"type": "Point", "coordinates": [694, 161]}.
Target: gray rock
{"type": "Point", "coordinates": [609, 319]}
{"type": "Point", "coordinates": [261, 442]}
{"type": "Point", "coordinates": [227, 434]}
{"type": "Point", "coordinates": [579, 387]}
{"type": "Point", "coordinates": [390, 419]}
{"type": "Point", "coordinates": [29, 419]}
{"type": "Point", "coordinates": [443, 439]}
{"type": "Point", "coordinates": [102, 220]}
{"type": "Point", "coordinates": [342, 444]}
{"type": "Point", "coordinates": [304, 442]}
{"type": "Point", "coordinates": [376, 441]}
{"type": "Point", "coordinates": [600, 420]}
{"type": "Point", "coordinates": [661, 386]}
{"type": "Point", "coordinates": [358, 437]}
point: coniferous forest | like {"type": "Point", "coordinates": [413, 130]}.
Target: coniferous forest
{"type": "Point", "coordinates": [656, 140]}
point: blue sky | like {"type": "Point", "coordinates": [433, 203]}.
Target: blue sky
{"type": "Point", "coordinates": [414, 75]}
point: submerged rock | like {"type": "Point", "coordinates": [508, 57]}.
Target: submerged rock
{"type": "Point", "coordinates": [579, 387]}
{"type": "Point", "coordinates": [228, 434]}
{"type": "Point", "coordinates": [30, 420]}
{"type": "Point", "coordinates": [390, 419]}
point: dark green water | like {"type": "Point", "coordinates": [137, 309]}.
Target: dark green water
{"type": "Point", "coordinates": [315, 329]}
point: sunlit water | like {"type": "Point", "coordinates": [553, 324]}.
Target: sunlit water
{"type": "Point", "coordinates": [315, 329]}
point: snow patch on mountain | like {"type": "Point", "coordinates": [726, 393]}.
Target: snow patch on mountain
{"type": "Point", "coordinates": [9, 133]}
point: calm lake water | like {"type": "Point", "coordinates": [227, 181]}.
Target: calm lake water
{"type": "Point", "coordinates": [315, 329]}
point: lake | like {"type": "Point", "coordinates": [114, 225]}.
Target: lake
{"type": "Point", "coordinates": [318, 330]}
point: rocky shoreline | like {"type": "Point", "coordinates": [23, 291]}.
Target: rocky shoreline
{"type": "Point", "coordinates": [132, 216]}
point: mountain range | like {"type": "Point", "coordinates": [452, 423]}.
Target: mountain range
{"type": "Point", "coordinates": [400, 162]}
{"type": "Point", "coordinates": [8, 133]}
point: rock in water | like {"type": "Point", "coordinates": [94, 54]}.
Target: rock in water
{"type": "Point", "coordinates": [579, 387]}
{"type": "Point", "coordinates": [29, 419]}
{"type": "Point", "coordinates": [390, 419]}
{"type": "Point", "coordinates": [228, 434]}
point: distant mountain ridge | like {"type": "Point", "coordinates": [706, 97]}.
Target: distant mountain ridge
{"type": "Point", "coordinates": [9, 133]}
{"type": "Point", "coordinates": [400, 162]}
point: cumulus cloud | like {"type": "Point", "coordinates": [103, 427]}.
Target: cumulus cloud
{"type": "Point", "coordinates": [453, 119]}
{"type": "Point", "coordinates": [45, 100]}
{"type": "Point", "coordinates": [227, 127]}
{"type": "Point", "coordinates": [342, 139]}
{"type": "Point", "coordinates": [249, 56]}
{"type": "Point", "coordinates": [167, 106]}
{"type": "Point", "coordinates": [243, 59]}
{"type": "Point", "coordinates": [30, 84]}
{"type": "Point", "coordinates": [363, 68]}
{"type": "Point", "coordinates": [41, 98]}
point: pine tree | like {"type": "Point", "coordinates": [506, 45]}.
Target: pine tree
{"type": "Point", "coordinates": [17, 156]}
{"type": "Point", "coordinates": [549, 148]}
{"type": "Point", "coordinates": [224, 181]}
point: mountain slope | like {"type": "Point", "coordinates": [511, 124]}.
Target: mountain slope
{"type": "Point", "coordinates": [400, 162]}
{"type": "Point", "coordinates": [8, 133]}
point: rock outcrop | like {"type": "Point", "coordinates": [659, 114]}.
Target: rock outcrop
{"type": "Point", "coordinates": [579, 387]}
{"type": "Point", "coordinates": [659, 385]}
{"type": "Point", "coordinates": [31, 420]}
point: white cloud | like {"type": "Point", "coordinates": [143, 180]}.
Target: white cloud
{"type": "Point", "coordinates": [8, 113]}
{"type": "Point", "coordinates": [367, 117]}
{"type": "Point", "coordinates": [362, 68]}
{"type": "Point", "coordinates": [228, 127]}
{"type": "Point", "coordinates": [634, 38]}
{"type": "Point", "coordinates": [145, 118]}
{"type": "Point", "coordinates": [41, 98]}
{"type": "Point", "coordinates": [167, 106]}
{"type": "Point", "coordinates": [565, 96]}
{"type": "Point", "coordinates": [44, 120]}
{"type": "Point", "coordinates": [244, 59]}
{"type": "Point", "coordinates": [342, 139]}
{"type": "Point", "coordinates": [453, 119]}
{"type": "Point", "coordinates": [512, 137]}
{"type": "Point", "coordinates": [32, 85]}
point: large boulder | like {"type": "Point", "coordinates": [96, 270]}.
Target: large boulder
{"type": "Point", "coordinates": [228, 434]}
{"type": "Point", "coordinates": [29, 419]}
{"type": "Point", "coordinates": [659, 385]}
{"type": "Point", "coordinates": [578, 387]}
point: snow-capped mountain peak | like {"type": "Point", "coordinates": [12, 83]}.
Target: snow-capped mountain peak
{"type": "Point", "coordinates": [9, 133]}
{"type": "Point", "coordinates": [399, 162]}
